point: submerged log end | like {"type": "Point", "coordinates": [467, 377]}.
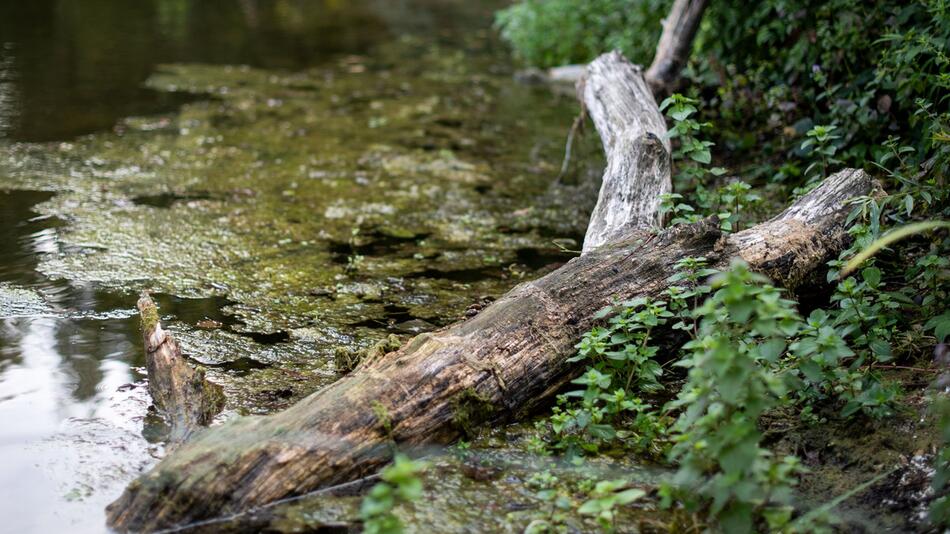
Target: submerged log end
{"type": "Point", "coordinates": [179, 390]}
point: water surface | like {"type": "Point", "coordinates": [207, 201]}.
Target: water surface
{"type": "Point", "coordinates": [288, 178]}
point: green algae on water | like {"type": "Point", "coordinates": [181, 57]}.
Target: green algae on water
{"type": "Point", "coordinates": [330, 206]}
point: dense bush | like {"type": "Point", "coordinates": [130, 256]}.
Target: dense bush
{"type": "Point", "coordinates": [872, 71]}
{"type": "Point", "coordinates": [547, 33]}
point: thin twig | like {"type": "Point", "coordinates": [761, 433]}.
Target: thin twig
{"type": "Point", "coordinates": [577, 126]}
{"type": "Point", "coordinates": [920, 369]}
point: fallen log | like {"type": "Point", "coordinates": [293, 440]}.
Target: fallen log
{"type": "Point", "coordinates": [489, 369]}
{"type": "Point", "coordinates": [182, 395]}
{"type": "Point", "coordinates": [506, 360]}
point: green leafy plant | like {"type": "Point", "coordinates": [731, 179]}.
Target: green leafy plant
{"type": "Point", "coordinates": [678, 212]}
{"type": "Point", "coordinates": [692, 150]}
{"type": "Point", "coordinates": [820, 146]}
{"type": "Point", "coordinates": [733, 379]}
{"type": "Point", "coordinates": [890, 238]}
{"type": "Point", "coordinates": [733, 199]}
{"type": "Point", "coordinates": [605, 497]}
{"type": "Point", "coordinates": [549, 489]}
{"type": "Point", "coordinates": [400, 484]}
{"type": "Point", "coordinates": [688, 287]}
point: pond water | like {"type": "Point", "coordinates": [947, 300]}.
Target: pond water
{"type": "Point", "coordinates": [288, 178]}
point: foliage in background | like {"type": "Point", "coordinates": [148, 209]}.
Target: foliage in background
{"type": "Point", "coordinates": [548, 33]}
{"type": "Point", "coordinates": [871, 69]}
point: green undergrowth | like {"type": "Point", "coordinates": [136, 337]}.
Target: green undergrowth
{"type": "Point", "coordinates": [760, 402]}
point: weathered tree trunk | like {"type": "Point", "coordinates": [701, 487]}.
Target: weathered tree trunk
{"type": "Point", "coordinates": [672, 52]}
{"type": "Point", "coordinates": [181, 393]}
{"type": "Point", "coordinates": [491, 368]}
{"type": "Point", "coordinates": [633, 133]}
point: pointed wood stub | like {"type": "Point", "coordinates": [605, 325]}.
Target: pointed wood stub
{"type": "Point", "coordinates": [180, 391]}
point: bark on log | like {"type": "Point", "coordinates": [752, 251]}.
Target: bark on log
{"type": "Point", "coordinates": [672, 52]}
{"type": "Point", "coordinates": [633, 133]}
{"type": "Point", "coordinates": [180, 392]}
{"type": "Point", "coordinates": [488, 369]}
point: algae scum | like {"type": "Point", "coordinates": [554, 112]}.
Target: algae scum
{"type": "Point", "coordinates": [329, 207]}
{"type": "Point", "coordinates": [280, 216]}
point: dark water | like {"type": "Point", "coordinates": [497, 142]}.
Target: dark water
{"type": "Point", "coordinates": [71, 400]}
{"type": "Point", "coordinates": [71, 67]}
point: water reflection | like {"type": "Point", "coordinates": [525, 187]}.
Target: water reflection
{"type": "Point", "coordinates": [72, 403]}
{"type": "Point", "coordinates": [7, 88]}
{"type": "Point", "coordinates": [65, 352]}
{"type": "Point", "coordinates": [79, 66]}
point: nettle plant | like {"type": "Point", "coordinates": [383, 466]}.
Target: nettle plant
{"type": "Point", "coordinates": [601, 501]}
{"type": "Point", "coordinates": [605, 497]}
{"type": "Point", "coordinates": [693, 154]}
{"type": "Point", "coordinates": [819, 146]}
{"type": "Point", "coordinates": [692, 148]}
{"type": "Point", "coordinates": [734, 377]}
{"type": "Point", "coordinates": [748, 352]}
{"type": "Point", "coordinates": [621, 362]}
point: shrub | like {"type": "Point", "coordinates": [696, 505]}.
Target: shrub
{"type": "Point", "coordinates": [547, 33]}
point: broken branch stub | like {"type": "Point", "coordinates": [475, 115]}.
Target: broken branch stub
{"type": "Point", "coordinates": [182, 394]}
{"type": "Point", "coordinates": [672, 52]}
